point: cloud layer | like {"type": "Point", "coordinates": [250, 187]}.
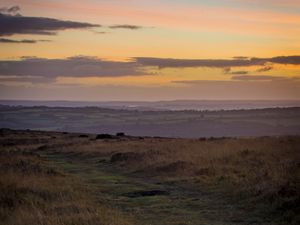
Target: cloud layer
{"type": "Point", "coordinates": [216, 63]}
{"type": "Point", "coordinates": [180, 63]}
{"type": "Point", "coordinates": [17, 24]}
{"type": "Point", "coordinates": [265, 78]}
{"type": "Point", "coordinates": [69, 67]}
{"type": "Point", "coordinates": [82, 66]}
{"type": "Point", "coordinates": [12, 23]}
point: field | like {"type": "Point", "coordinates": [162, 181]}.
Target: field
{"type": "Point", "coordinates": [76, 178]}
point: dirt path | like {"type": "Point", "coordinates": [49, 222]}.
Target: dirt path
{"type": "Point", "coordinates": [151, 202]}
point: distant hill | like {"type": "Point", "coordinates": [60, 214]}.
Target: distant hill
{"type": "Point", "coordinates": [186, 124]}
{"type": "Point", "coordinates": [163, 105]}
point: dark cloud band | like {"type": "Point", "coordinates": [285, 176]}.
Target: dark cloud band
{"type": "Point", "coordinates": [17, 24]}
{"type": "Point", "coordinates": [94, 67]}
{"type": "Point", "coordinates": [216, 63]}
{"type": "Point", "coordinates": [11, 23]}
{"type": "Point", "coordinates": [69, 67]}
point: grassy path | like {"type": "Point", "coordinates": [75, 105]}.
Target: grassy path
{"type": "Point", "coordinates": [151, 202]}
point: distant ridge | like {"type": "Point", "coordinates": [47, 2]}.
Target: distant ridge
{"type": "Point", "coordinates": [162, 105]}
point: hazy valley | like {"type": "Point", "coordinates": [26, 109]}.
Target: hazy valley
{"type": "Point", "coordinates": [186, 124]}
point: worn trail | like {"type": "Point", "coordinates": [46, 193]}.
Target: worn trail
{"type": "Point", "coordinates": [152, 202]}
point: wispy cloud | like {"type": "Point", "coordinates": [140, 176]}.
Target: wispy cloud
{"type": "Point", "coordinates": [23, 41]}
{"type": "Point", "coordinates": [11, 10]}
{"type": "Point", "coordinates": [259, 78]}
{"type": "Point", "coordinates": [241, 72]}
{"type": "Point", "coordinates": [227, 70]}
{"type": "Point", "coordinates": [126, 26]}
{"type": "Point", "coordinates": [245, 78]}
{"type": "Point", "coordinates": [265, 69]}
{"type": "Point", "coordinates": [101, 32]}
{"type": "Point", "coordinates": [26, 79]}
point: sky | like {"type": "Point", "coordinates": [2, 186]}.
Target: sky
{"type": "Point", "coordinates": [141, 50]}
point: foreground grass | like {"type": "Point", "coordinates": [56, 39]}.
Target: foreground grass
{"type": "Point", "coordinates": [207, 181]}
{"type": "Point", "coordinates": [31, 192]}
{"type": "Point", "coordinates": [262, 174]}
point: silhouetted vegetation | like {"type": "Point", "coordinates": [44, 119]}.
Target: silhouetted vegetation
{"type": "Point", "coordinates": [83, 136]}
{"type": "Point", "coordinates": [105, 136]}
{"type": "Point", "coordinates": [120, 134]}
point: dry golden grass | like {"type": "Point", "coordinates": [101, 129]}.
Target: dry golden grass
{"type": "Point", "coordinates": [261, 170]}
{"type": "Point", "coordinates": [33, 193]}
{"type": "Point", "coordinates": [264, 170]}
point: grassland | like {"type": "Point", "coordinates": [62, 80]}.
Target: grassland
{"type": "Point", "coordinates": [33, 192]}
{"type": "Point", "coordinates": [70, 178]}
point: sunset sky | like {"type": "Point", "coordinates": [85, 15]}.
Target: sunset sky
{"type": "Point", "coordinates": [102, 50]}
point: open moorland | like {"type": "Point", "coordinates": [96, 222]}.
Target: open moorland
{"type": "Point", "coordinates": [75, 178]}
{"type": "Point", "coordinates": [186, 124]}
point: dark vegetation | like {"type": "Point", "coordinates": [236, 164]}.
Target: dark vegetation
{"type": "Point", "coordinates": [155, 180]}
{"type": "Point", "coordinates": [120, 134]}
{"type": "Point", "coordinates": [83, 136]}
{"type": "Point", "coordinates": [137, 194]}
{"type": "Point", "coordinates": [105, 136]}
